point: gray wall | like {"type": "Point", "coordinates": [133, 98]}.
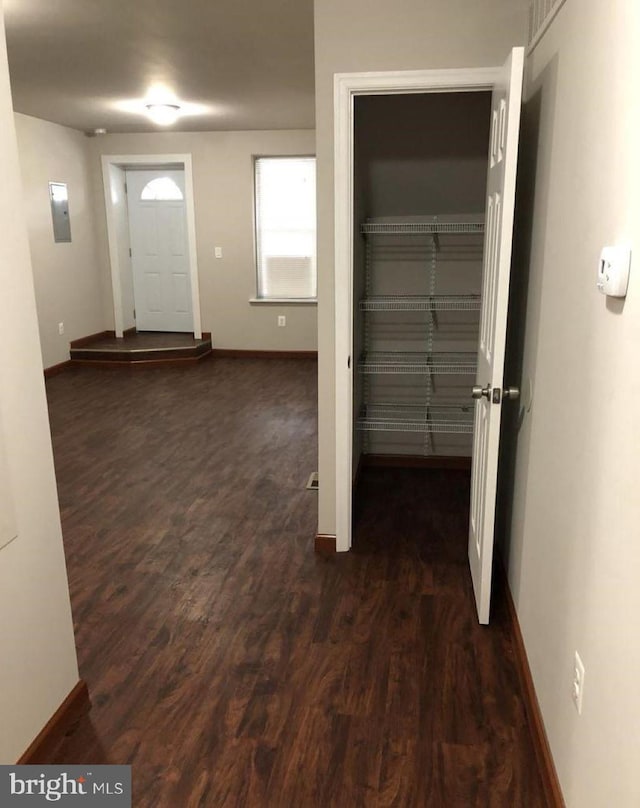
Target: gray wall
{"type": "Point", "coordinates": [574, 548]}
{"type": "Point", "coordinates": [364, 35]}
{"type": "Point", "coordinates": [39, 666]}
{"type": "Point", "coordinates": [423, 154]}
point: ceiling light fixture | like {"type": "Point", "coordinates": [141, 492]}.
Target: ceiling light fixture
{"type": "Point", "coordinates": [163, 114]}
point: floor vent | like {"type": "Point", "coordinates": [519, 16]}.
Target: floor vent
{"type": "Point", "coordinates": [541, 15]}
{"type": "Point", "coordinates": [312, 482]}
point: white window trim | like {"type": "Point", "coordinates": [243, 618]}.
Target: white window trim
{"type": "Point", "coordinates": [283, 301]}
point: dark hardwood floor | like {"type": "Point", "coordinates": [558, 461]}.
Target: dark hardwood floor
{"type": "Point", "coordinates": [229, 664]}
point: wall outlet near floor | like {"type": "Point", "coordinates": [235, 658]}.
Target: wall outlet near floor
{"type": "Point", "coordinates": [60, 328]}
{"type": "Point", "coordinates": [577, 689]}
{"type": "Point", "coordinates": [282, 321]}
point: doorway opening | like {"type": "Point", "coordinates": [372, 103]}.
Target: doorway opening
{"type": "Point", "coordinates": [424, 226]}
{"type": "Point", "coordinates": [152, 244]}
{"type": "Point", "coordinates": [419, 207]}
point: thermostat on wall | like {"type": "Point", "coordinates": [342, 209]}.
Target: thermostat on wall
{"type": "Point", "coordinates": [613, 271]}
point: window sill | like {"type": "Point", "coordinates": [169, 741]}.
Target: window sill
{"type": "Point", "coordinates": [286, 301]}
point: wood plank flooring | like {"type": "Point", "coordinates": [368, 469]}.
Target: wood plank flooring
{"type": "Point", "coordinates": [229, 664]}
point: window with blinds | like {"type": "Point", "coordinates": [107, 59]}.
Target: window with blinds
{"type": "Point", "coordinates": [286, 227]}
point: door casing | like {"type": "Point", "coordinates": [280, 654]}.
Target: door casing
{"type": "Point", "coordinates": [346, 87]}
{"type": "Point", "coordinates": [111, 162]}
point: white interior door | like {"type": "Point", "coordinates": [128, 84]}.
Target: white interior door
{"type": "Point", "coordinates": [501, 184]}
{"type": "Point", "coordinates": [159, 250]}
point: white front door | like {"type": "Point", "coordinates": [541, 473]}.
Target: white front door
{"type": "Point", "coordinates": [159, 250]}
{"type": "Point", "coordinates": [501, 185]}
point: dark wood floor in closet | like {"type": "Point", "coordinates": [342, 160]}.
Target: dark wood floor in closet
{"type": "Point", "coordinates": [230, 665]}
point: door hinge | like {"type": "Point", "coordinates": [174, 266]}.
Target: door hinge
{"type": "Point", "coordinates": [126, 188]}
{"type": "Point", "coordinates": [130, 253]}
{"type": "Point", "coordinates": [134, 314]}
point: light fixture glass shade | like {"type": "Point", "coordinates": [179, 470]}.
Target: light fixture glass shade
{"type": "Point", "coordinates": [163, 114]}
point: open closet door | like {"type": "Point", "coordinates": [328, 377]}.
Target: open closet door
{"type": "Point", "coordinates": [489, 391]}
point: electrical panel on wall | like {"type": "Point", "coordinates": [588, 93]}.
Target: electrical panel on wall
{"type": "Point", "coordinates": [59, 198]}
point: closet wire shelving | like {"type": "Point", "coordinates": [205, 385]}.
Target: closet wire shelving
{"type": "Point", "coordinates": [422, 363]}
{"type": "Point", "coordinates": [425, 418]}
{"type": "Point", "coordinates": [421, 303]}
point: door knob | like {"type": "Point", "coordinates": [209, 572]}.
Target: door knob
{"type": "Point", "coordinates": [511, 393]}
{"type": "Point", "coordinates": [479, 392]}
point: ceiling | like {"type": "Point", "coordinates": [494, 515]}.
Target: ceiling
{"type": "Point", "coordinates": [236, 64]}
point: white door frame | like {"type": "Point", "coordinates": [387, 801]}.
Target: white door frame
{"type": "Point", "coordinates": [136, 161]}
{"type": "Point", "coordinates": [346, 87]}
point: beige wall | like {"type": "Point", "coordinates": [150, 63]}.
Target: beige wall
{"type": "Point", "coordinates": [364, 35]}
{"type": "Point", "coordinates": [38, 666]}
{"type": "Point", "coordinates": [67, 276]}
{"type": "Point", "coordinates": [574, 554]}
{"type": "Point", "coordinates": [223, 189]}
{"type": "Point", "coordinates": [73, 282]}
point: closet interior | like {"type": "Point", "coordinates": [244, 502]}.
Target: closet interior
{"type": "Point", "coordinates": [420, 173]}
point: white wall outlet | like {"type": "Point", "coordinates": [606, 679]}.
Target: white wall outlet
{"type": "Point", "coordinates": [577, 689]}
{"type": "Point", "coordinates": [217, 252]}
{"type": "Point", "coordinates": [61, 328]}
{"type": "Point", "coordinates": [282, 321]}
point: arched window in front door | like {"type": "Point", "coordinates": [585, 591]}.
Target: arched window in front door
{"type": "Point", "coordinates": [161, 189]}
